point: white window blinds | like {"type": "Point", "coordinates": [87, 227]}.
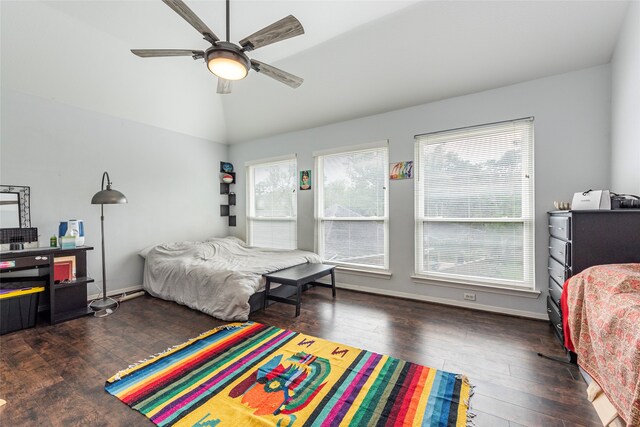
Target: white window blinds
{"type": "Point", "coordinates": [351, 207]}
{"type": "Point", "coordinates": [474, 205]}
{"type": "Point", "coordinates": [271, 207]}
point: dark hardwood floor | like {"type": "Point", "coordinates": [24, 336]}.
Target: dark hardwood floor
{"type": "Point", "coordinates": [54, 375]}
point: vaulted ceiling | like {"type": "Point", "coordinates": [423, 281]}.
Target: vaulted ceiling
{"type": "Point", "coordinates": [357, 57]}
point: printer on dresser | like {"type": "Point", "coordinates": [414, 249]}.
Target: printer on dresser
{"type": "Point", "coordinates": [581, 239]}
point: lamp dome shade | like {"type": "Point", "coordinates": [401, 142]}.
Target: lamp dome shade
{"type": "Point", "coordinates": [108, 197]}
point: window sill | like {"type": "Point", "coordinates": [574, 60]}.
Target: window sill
{"type": "Point", "coordinates": [495, 289]}
{"type": "Point", "coordinates": [380, 274]}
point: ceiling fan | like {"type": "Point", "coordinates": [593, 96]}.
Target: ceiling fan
{"type": "Point", "coordinates": [227, 60]}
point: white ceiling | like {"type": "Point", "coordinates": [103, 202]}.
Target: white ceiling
{"type": "Point", "coordinates": [357, 57]}
{"type": "Point", "coordinates": [151, 24]}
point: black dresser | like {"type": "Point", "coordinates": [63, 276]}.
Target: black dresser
{"type": "Point", "coordinates": [581, 239]}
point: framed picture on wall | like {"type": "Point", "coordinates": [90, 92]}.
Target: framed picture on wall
{"type": "Point", "coordinates": [401, 170]}
{"type": "Point", "coordinates": [305, 180]}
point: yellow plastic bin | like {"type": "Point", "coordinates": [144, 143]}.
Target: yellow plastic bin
{"type": "Point", "coordinates": [18, 308]}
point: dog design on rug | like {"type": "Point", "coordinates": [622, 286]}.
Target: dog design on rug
{"type": "Point", "coordinates": [283, 387]}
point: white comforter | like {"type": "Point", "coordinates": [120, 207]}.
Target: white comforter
{"type": "Point", "coordinates": [216, 277]}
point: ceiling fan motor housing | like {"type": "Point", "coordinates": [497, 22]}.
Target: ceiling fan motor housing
{"type": "Point", "coordinates": [226, 51]}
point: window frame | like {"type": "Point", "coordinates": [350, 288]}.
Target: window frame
{"type": "Point", "coordinates": [251, 218]}
{"type": "Point", "coordinates": [319, 206]}
{"type": "Point", "coordinates": [527, 219]}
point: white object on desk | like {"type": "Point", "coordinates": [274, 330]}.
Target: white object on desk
{"type": "Point", "coordinates": [591, 200]}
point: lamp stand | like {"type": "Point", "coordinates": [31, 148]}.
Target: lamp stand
{"type": "Point", "coordinates": [105, 302]}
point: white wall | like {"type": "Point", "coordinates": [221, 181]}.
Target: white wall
{"type": "Point", "coordinates": [572, 125]}
{"type": "Point", "coordinates": [625, 106]}
{"type": "Point", "coordinates": [170, 179]}
{"type": "Point", "coordinates": [48, 53]}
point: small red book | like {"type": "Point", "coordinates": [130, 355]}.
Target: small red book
{"type": "Point", "coordinates": [62, 271]}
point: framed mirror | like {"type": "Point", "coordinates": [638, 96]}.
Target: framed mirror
{"type": "Point", "coordinates": [15, 206]}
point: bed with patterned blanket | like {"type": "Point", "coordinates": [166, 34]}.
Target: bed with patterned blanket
{"type": "Point", "coordinates": [218, 276]}
{"type": "Point", "coordinates": [601, 308]}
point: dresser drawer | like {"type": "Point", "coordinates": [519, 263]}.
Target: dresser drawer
{"type": "Point", "coordinates": [555, 291]}
{"type": "Point", "coordinates": [555, 318]}
{"type": "Point", "coordinates": [558, 271]}
{"type": "Point", "coordinates": [560, 226]}
{"type": "Point", "coordinates": [560, 250]}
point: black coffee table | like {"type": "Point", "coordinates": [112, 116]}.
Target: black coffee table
{"type": "Point", "coordinates": [298, 276]}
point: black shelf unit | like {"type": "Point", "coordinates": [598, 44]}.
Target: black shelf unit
{"type": "Point", "coordinates": [66, 300]}
{"type": "Point", "coordinates": [225, 189]}
{"type": "Point", "coordinates": [76, 282]}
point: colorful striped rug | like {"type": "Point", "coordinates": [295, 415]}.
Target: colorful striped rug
{"type": "Point", "coordinates": [249, 374]}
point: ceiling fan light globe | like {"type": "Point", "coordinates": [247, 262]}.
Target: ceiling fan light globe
{"type": "Point", "coordinates": [228, 69]}
{"type": "Point", "coordinates": [227, 61]}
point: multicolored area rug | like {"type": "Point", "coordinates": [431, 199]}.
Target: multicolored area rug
{"type": "Point", "coordinates": [248, 374]}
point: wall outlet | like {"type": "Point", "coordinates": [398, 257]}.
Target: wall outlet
{"type": "Point", "coordinates": [469, 296]}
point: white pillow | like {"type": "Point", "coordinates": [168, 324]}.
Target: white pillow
{"type": "Point", "coordinates": [144, 252]}
{"type": "Point", "coordinates": [230, 238]}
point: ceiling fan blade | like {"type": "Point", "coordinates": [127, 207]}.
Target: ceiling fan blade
{"type": "Point", "coordinates": [188, 15]}
{"type": "Point", "coordinates": [224, 86]}
{"type": "Point", "coordinates": [283, 29]}
{"type": "Point", "coordinates": [276, 73]}
{"type": "Point", "coordinates": [148, 53]}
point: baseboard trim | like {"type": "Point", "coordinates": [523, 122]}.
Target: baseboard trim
{"type": "Point", "coordinates": [406, 295]}
{"type": "Point", "coordinates": [116, 292]}
{"type": "Point", "coordinates": [444, 301]}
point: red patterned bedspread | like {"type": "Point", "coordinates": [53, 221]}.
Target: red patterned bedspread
{"type": "Point", "coordinates": [604, 322]}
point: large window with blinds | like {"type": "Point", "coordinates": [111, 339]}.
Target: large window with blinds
{"type": "Point", "coordinates": [271, 203]}
{"type": "Point", "coordinates": [352, 207]}
{"type": "Point", "coordinates": [474, 205]}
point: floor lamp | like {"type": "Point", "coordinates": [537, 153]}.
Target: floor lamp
{"type": "Point", "coordinates": [105, 197]}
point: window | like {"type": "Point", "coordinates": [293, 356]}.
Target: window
{"type": "Point", "coordinates": [474, 205]}
{"type": "Point", "coordinates": [271, 204]}
{"type": "Point", "coordinates": [351, 206]}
